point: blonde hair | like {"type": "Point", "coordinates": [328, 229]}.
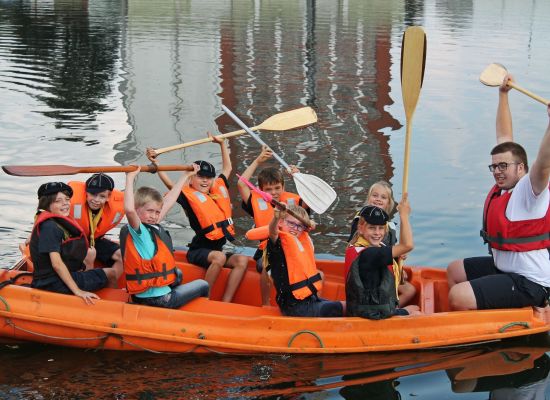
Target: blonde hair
{"type": "Point", "coordinates": [145, 194]}
{"type": "Point", "coordinates": [299, 211]}
{"type": "Point", "coordinates": [385, 185]}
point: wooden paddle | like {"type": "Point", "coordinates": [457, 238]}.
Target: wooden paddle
{"type": "Point", "coordinates": [284, 121]}
{"type": "Point", "coordinates": [49, 170]}
{"type": "Point", "coordinates": [413, 63]}
{"type": "Point", "coordinates": [316, 193]}
{"type": "Point", "coordinates": [494, 74]}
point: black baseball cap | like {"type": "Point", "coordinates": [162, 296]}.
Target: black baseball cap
{"type": "Point", "coordinates": [98, 183]}
{"type": "Point", "coordinates": [374, 215]}
{"type": "Point", "coordinates": [54, 187]}
{"type": "Point", "coordinates": [206, 169]}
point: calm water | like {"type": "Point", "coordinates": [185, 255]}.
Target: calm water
{"type": "Point", "coordinates": [95, 83]}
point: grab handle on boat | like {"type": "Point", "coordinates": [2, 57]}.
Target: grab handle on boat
{"type": "Point", "coordinates": [511, 324]}
{"type": "Point", "coordinates": [316, 336]}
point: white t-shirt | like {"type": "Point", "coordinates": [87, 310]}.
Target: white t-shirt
{"type": "Point", "coordinates": [524, 205]}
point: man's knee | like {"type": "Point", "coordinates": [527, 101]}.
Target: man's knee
{"type": "Point", "coordinates": [456, 273]}
{"type": "Point", "coordinates": [462, 297]}
{"type": "Point", "coordinates": [117, 256]}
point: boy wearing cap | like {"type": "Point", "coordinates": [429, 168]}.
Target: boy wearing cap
{"type": "Point", "coordinates": [98, 208]}
{"type": "Point", "coordinates": [371, 287]}
{"type": "Point", "coordinates": [207, 205]}
{"type": "Point", "coordinates": [58, 247]}
{"type": "Point", "coordinates": [270, 180]}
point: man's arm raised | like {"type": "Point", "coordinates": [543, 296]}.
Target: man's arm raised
{"type": "Point", "coordinates": [504, 129]}
{"type": "Point", "coordinates": [540, 170]}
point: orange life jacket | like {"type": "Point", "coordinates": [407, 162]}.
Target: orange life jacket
{"type": "Point", "coordinates": [112, 213]}
{"type": "Point", "coordinates": [303, 276]}
{"type": "Point", "coordinates": [213, 210]}
{"type": "Point", "coordinates": [144, 274]}
{"type": "Point", "coordinates": [263, 211]}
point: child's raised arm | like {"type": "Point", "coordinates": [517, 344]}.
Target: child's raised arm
{"type": "Point", "coordinates": [152, 156]}
{"type": "Point", "coordinates": [129, 206]}
{"type": "Point", "coordinates": [273, 225]}
{"type": "Point", "coordinates": [244, 190]}
{"type": "Point", "coordinates": [226, 161]}
{"type": "Point", "coordinates": [172, 196]}
{"type": "Point", "coordinates": [406, 243]}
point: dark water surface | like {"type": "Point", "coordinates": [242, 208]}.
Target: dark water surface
{"type": "Point", "coordinates": [95, 82]}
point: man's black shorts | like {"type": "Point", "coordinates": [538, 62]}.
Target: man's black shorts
{"type": "Point", "coordinates": [496, 289]}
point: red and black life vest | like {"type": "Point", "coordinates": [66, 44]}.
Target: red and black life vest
{"type": "Point", "coordinates": [73, 250]}
{"type": "Point", "coordinates": [503, 234]}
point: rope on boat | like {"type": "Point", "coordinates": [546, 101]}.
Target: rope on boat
{"type": "Point", "coordinates": [14, 326]}
{"type": "Point", "coordinates": [511, 324]}
{"type": "Point", "coordinates": [137, 346]}
{"type": "Point", "coordinates": [302, 332]}
{"type": "Point", "coordinates": [5, 303]}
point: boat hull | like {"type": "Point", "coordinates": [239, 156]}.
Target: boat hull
{"type": "Point", "coordinates": [244, 326]}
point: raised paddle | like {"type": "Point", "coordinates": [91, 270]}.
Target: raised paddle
{"type": "Point", "coordinates": [284, 121]}
{"type": "Point", "coordinates": [49, 170]}
{"type": "Point", "coordinates": [413, 63]}
{"type": "Point", "coordinates": [494, 74]}
{"type": "Point", "coordinates": [269, 199]}
{"type": "Point", "coordinates": [316, 193]}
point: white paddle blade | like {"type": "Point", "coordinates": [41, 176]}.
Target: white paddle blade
{"type": "Point", "coordinates": [493, 75]}
{"type": "Point", "coordinates": [315, 192]}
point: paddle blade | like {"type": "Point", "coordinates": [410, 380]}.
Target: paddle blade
{"type": "Point", "coordinates": [39, 170]}
{"type": "Point", "coordinates": [287, 120]}
{"type": "Point", "coordinates": [316, 193]}
{"type": "Point", "coordinates": [413, 62]}
{"type": "Point", "coordinates": [493, 75]}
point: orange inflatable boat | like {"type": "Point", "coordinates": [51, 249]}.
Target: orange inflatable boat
{"type": "Point", "coordinates": [244, 326]}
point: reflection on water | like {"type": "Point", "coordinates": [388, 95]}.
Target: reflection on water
{"type": "Point", "coordinates": [95, 83]}
{"type": "Point", "coordinates": [503, 370]}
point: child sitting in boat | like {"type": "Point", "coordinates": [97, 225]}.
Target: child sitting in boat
{"type": "Point", "coordinates": [98, 207]}
{"type": "Point", "coordinates": [380, 194]}
{"type": "Point", "coordinates": [372, 273]}
{"type": "Point", "coordinates": [152, 277]}
{"type": "Point", "coordinates": [58, 247]}
{"type": "Point", "coordinates": [291, 260]}
{"type": "Point", "coordinates": [207, 205]}
{"type": "Point", "coordinates": [270, 180]}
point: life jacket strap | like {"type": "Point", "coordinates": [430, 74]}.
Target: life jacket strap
{"type": "Point", "coordinates": [139, 277]}
{"type": "Point", "coordinates": [309, 282]}
{"type": "Point", "coordinates": [223, 225]}
{"type": "Point", "coordinates": [499, 240]}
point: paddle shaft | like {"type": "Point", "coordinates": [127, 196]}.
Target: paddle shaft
{"type": "Point", "coordinates": [201, 141]}
{"type": "Point", "coordinates": [255, 136]}
{"type": "Point", "coordinates": [529, 93]}
{"type": "Point", "coordinates": [51, 170]}
{"type": "Point", "coordinates": [283, 207]}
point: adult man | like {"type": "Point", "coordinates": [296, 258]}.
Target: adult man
{"type": "Point", "coordinates": [516, 224]}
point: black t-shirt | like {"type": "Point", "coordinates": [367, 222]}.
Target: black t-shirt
{"type": "Point", "coordinates": [200, 241]}
{"type": "Point", "coordinates": [373, 261]}
{"type": "Point", "coordinates": [50, 238]}
{"type": "Point", "coordinates": [279, 273]}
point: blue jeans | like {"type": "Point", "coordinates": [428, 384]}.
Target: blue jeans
{"type": "Point", "coordinates": [180, 295]}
